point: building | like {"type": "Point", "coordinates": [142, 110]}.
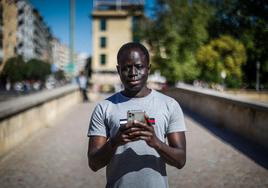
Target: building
{"type": "Point", "coordinates": [113, 24]}
{"type": "Point", "coordinates": [81, 60]}
{"type": "Point", "coordinates": [24, 32]}
{"type": "Point", "coordinates": [9, 28]}
{"type": "Point", "coordinates": [32, 33]}
{"type": "Point", "coordinates": [60, 54]}
{"type": "Point", "coordinates": [1, 33]}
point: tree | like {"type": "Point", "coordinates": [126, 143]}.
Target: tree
{"type": "Point", "coordinates": [247, 21]}
{"type": "Point", "coordinates": [14, 69]}
{"type": "Point", "coordinates": [59, 75]}
{"type": "Point", "coordinates": [37, 69]}
{"type": "Point", "coordinates": [224, 54]}
{"type": "Point", "coordinates": [174, 35]}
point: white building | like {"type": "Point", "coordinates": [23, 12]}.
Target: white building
{"type": "Point", "coordinates": [33, 35]}
{"type": "Point", "coordinates": [60, 54]}
{"type": "Point", "coordinates": [81, 60]}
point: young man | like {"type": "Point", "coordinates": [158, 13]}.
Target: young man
{"type": "Point", "coordinates": [134, 152]}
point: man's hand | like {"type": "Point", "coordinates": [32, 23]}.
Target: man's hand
{"type": "Point", "coordinates": [123, 135]}
{"type": "Point", "coordinates": [144, 131]}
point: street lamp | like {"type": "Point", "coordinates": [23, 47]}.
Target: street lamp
{"type": "Point", "coordinates": [258, 76]}
{"type": "Point", "coordinates": [223, 76]}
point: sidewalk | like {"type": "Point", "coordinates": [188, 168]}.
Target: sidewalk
{"type": "Point", "coordinates": [56, 157]}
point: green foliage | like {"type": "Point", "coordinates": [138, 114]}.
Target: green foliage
{"type": "Point", "coordinates": [16, 69]}
{"type": "Point", "coordinates": [224, 54]}
{"type": "Point", "coordinates": [178, 30]}
{"type": "Point", "coordinates": [59, 75]}
{"type": "Point", "coordinates": [37, 69]}
{"type": "Point", "coordinates": [247, 21]}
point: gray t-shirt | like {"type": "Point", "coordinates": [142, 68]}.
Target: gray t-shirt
{"type": "Point", "coordinates": [136, 164]}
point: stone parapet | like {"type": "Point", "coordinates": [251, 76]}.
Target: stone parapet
{"type": "Point", "coordinates": [248, 119]}
{"type": "Point", "coordinates": [21, 117]}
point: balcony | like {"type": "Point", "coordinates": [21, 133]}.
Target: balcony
{"type": "Point", "coordinates": [118, 4]}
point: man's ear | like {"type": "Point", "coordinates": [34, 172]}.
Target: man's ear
{"type": "Point", "coordinates": [118, 69]}
{"type": "Point", "coordinates": [149, 68]}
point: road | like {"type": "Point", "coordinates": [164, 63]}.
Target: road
{"type": "Point", "coordinates": [55, 157]}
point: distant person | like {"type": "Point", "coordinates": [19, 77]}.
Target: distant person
{"type": "Point", "coordinates": [8, 85]}
{"type": "Point", "coordinates": [135, 153]}
{"type": "Point", "coordinates": [82, 82]}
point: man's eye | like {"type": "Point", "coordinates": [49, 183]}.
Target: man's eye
{"type": "Point", "coordinates": [139, 67]}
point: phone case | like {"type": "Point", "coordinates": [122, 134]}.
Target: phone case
{"type": "Point", "coordinates": [135, 115]}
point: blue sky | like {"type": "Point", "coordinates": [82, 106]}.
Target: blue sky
{"type": "Point", "coordinates": [56, 16]}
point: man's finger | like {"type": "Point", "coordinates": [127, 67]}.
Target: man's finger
{"type": "Point", "coordinates": [142, 125]}
{"type": "Point", "coordinates": [125, 126]}
{"type": "Point", "coordinates": [141, 133]}
{"type": "Point", "coordinates": [131, 129]}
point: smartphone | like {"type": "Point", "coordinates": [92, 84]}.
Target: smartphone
{"type": "Point", "coordinates": [136, 115]}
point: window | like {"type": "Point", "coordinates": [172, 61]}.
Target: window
{"type": "Point", "coordinates": [102, 24]}
{"type": "Point", "coordinates": [20, 22]}
{"type": "Point", "coordinates": [21, 11]}
{"type": "Point", "coordinates": [102, 59]}
{"type": "Point", "coordinates": [103, 42]}
{"type": "Point", "coordinates": [135, 29]}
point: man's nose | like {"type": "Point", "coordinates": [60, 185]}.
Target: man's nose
{"type": "Point", "coordinates": [132, 71]}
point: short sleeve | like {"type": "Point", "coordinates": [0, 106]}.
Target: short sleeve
{"type": "Point", "coordinates": [97, 125]}
{"type": "Point", "coordinates": [176, 119]}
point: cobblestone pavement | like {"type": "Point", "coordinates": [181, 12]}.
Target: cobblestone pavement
{"type": "Point", "coordinates": [55, 157]}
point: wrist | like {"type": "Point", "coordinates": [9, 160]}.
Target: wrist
{"type": "Point", "coordinates": [112, 143]}
{"type": "Point", "coordinates": [158, 145]}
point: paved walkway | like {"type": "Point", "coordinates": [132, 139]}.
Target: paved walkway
{"type": "Point", "coordinates": [55, 157]}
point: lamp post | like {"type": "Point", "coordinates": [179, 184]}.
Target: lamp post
{"type": "Point", "coordinates": [223, 76]}
{"type": "Point", "coordinates": [258, 76]}
{"type": "Point", "coordinates": [70, 66]}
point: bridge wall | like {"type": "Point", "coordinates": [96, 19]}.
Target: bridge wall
{"type": "Point", "coordinates": [245, 118]}
{"type": "Point", "coordinates": [21, 117]}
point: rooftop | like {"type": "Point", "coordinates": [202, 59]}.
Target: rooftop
{"type": "Point", "coordinates": [118, 4]}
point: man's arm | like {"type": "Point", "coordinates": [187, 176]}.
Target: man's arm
{"type": "Point", "coordinates": [174, 153]}
{"type": "Point", "coordinates": [100, 151]}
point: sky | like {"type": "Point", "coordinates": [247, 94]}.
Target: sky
{"type": "Point", "coordinates": [56, 15]}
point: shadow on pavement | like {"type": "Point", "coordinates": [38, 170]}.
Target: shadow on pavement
{"type": "Point", "coordinates": [252, 150]}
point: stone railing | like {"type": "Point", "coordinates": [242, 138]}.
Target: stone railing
{"type": "Point", "coordinates": [248, 119]}
{"type": "Point", "coordinates": [21, 117]}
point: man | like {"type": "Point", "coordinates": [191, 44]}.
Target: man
{"type": "Point", "coordinates": [82, 81]}
{"type": "Point", "coordinates": [135, 153]}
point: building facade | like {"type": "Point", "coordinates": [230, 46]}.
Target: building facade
{"type": "Point", "coordinates": [60, 54]}
{"type": "Point", "coordinates": [113, 24]}
{"type": "Point", "coordinates": [1, 33]}
{"type": "Point", "coordinates": [24, 32]}
{"type": "Point", "coordinates": [9, 27]}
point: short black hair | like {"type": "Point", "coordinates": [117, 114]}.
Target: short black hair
{"type": "Point", "coordinates": [132, 45]}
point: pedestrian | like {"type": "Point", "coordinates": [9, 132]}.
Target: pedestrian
{"type": "Point", "coordinates": [82, 82]}
{"type": "Point", "coordinates": [135, 153]}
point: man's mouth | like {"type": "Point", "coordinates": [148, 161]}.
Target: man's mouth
{"type": "Point", "coordinates": [134, 82]}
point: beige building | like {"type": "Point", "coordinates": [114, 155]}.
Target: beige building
{"type": "Point", "coordinates": [9, 28]}
{"type": "Point", "coordinates": [112, 25]}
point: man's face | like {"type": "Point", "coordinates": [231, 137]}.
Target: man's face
{"type": "Point", "coordinates": [133, 70]}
